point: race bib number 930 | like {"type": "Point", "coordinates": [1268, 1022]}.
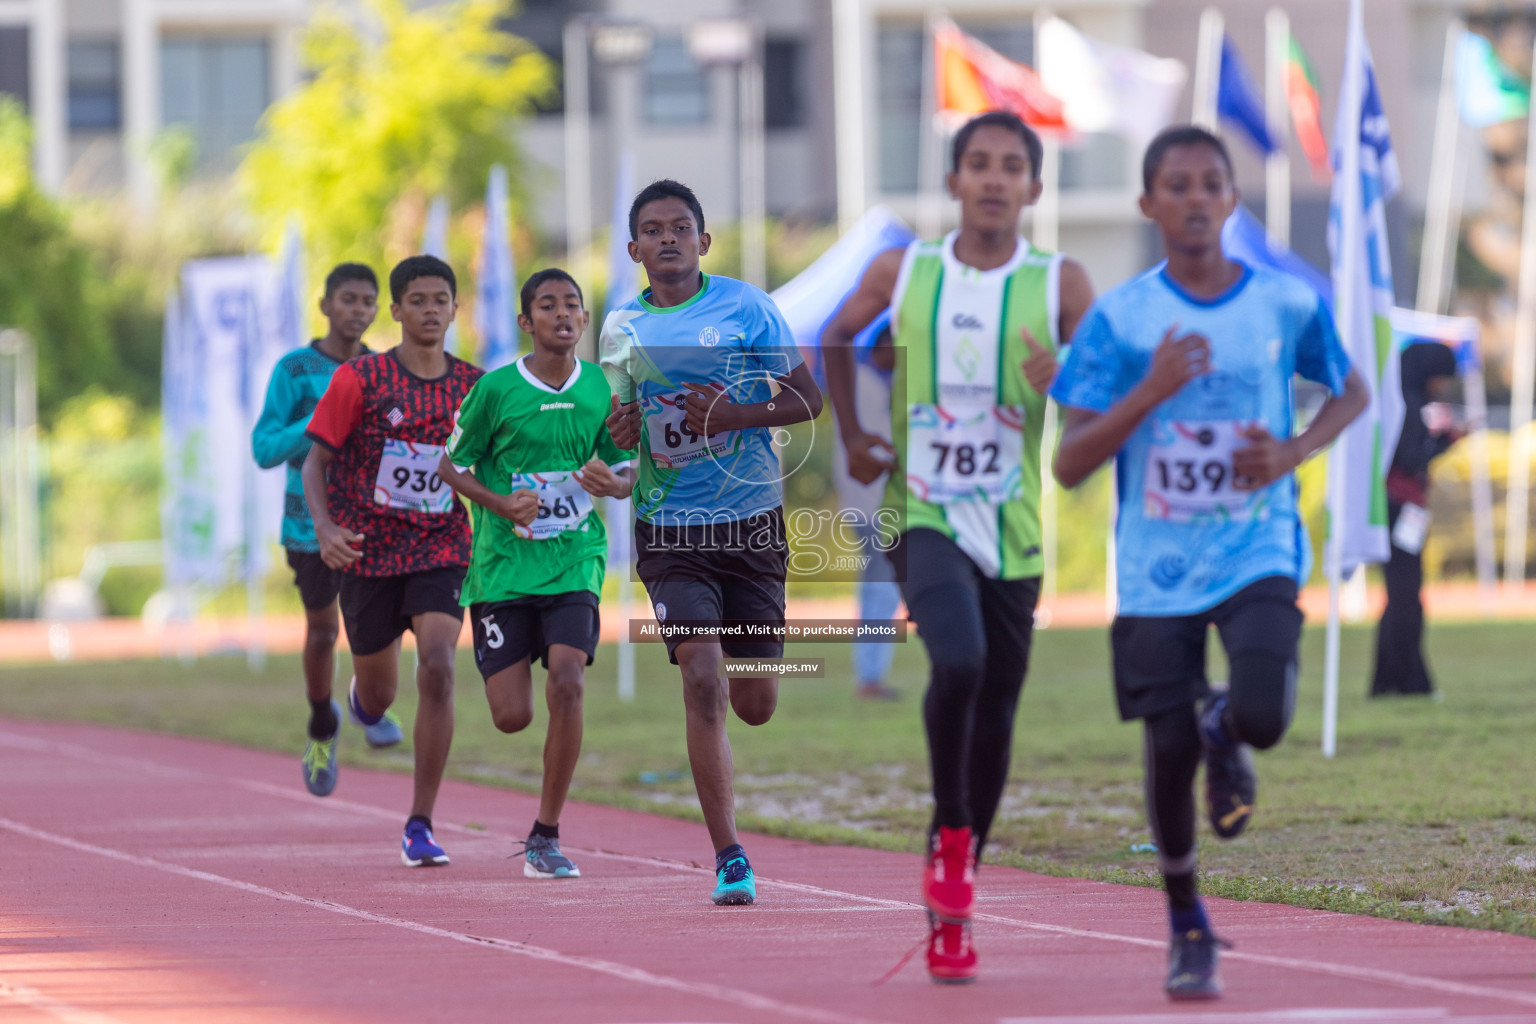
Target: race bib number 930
{"type": "Point", "coordinates": [408, 478]}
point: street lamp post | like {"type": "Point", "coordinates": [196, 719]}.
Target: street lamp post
{"type": "Point", "coordinates": [737, 42]}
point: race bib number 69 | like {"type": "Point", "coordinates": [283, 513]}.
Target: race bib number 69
{"type": "Point", "coordinates": [408, 478]}
{"type": "Point", "coordinates": [672, 442]}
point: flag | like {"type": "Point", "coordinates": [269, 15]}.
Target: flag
{"type": "Point", "coordinates": [1458, 333]}
{"type": "Point", "coordinates": [1305, 100]}
{"type": "Point", "coordinates": [1244, 239]}
{"type": "Point", "coordinates": [1487, 91]}
{"type": "Point", "coordinates": [496, 278]}
{"type": "Point", "coordinates": [1107, 88]}
{"type": "Point", "coordinates": [971, 78]}
{"type": "Point", "coordinates": [1239, 100]}
{"type": "Point", "coordinates": [1366, 178]}
{"type": "Point", "coordinates": [621, 269]}
{"type": "Point", "coordinates": [292, 290]}
{"type": "Point", "coordinates": [434, 242]}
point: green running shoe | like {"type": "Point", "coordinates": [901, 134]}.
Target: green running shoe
{"type": "Point", "coordinates": [320, 760]}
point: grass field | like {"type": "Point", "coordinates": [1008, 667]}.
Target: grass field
{"type": "Point", "coordinates": [1427, 813]}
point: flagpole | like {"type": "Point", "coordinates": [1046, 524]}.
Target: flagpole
{"type": "Point", "coordinates": [848, 91]}
{"type": "Point", "coordinates": [1277, 167]}
{"type": "Point", "coordinates": [1047, 235]}
{"type": "Point", "coordinates": [1208, 68]}
{"type": "Point", "coordinates": [930, 162]}
{"type": "Point", "coordinates": [1524, 370]}
{"type": "Point", "coordinates": [1351, 225]}
{"type": "Point", "coordinates": [1482, 483]}
{"type": "Point", "coordinates": [1444, 208]}
{"type": "Point", "coordinates": [578, 153]}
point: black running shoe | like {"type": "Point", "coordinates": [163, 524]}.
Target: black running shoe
{"type": "Point", "coordinates": [1192, 960]}
{"type": "Point", "coordinates": [1231, 787]}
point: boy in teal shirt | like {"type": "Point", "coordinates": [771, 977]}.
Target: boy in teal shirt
{"type": "Point", "coordinates": [533, 435]}
{"type": "Point", "coordinates": [349, 305]}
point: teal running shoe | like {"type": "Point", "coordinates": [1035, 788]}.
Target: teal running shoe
{"type": "Point", "coordinates": [320, 760]}
{"type": "Point", "coordinates": [384, 733]}
{"type": "Point", "coordinates": [735, 886]}
{"type": "Point", "coordinates": [543, 859]}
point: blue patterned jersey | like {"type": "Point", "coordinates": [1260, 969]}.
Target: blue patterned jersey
{"type": "Point", "coordinates": [1186, 538]}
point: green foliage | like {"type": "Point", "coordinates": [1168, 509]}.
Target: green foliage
{"type": "Point", "coordinates": [404, 106]}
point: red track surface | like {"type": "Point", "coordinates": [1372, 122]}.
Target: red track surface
{"type": "Point", "coordinates": [155, 879]}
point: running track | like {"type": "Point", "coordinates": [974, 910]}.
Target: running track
{"type": "Point", "coordinates": [148, 878]}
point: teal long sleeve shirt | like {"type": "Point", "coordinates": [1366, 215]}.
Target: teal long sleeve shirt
{"type": "Point", "coordinates": [298, 381]}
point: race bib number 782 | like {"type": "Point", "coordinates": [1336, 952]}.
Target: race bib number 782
{"type": "Point", "coordinates": [966, 455]}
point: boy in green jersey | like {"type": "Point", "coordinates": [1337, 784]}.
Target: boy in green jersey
{"type": "Point", "coordinates": [531, 451]}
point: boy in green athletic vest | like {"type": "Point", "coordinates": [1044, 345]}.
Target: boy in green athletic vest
{"type": "Point", "coordinates": [977, 318]}
{"type": "Point", "coordinates": [534, 435]}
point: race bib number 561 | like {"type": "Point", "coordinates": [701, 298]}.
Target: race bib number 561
{"type": "Point", "coordinates": [408, 478]}
{"type": "Point", "coordinates": [1189, 472]}
{"type": "Point", "coordinates": [563, 504]}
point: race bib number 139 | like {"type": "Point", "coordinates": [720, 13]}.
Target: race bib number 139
{"type": "Point", "coordinates": [408, 478]}
{"type": "Point", "coordinates": [1189, 472]}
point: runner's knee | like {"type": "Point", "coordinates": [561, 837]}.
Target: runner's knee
{"type": "Point", "coordinates": [753, 700]}
{"type": "Point", "coordinates": [512, 716]}
{"type": "Point", "coordinates": [434, 674]}
{"type": "Point", "coordinates": [1262, 697]}
{"type": "Point", "coordinates": [563, 689]}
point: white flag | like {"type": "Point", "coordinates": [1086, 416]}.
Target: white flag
{"type": "Point", "coordinates": [1366, 177]}
{"type": "Point", "coordinates": [434, 242]}
{"type": "Point", "coordinates": [1107, 88]}
{"type": "Point", "coordinates": [496, 282]}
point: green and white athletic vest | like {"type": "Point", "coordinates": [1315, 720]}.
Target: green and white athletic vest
{"type": "Point", "coordinates": [967, 424]}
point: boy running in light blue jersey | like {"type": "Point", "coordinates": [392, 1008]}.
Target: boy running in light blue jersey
{"type": "Point", "coordinates": [1184, 375]}
{"type": "Point", "coordinates": [694, 362]}
{"type": "Point", "coordinates": [349, 305]}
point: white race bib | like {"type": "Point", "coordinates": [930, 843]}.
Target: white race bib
{"type": "Point", "coordinates": [1189, 474]}
{"type": "Point", "coordinates": [408, 478]}
{"type": "Point", "coordinates": [672, 443]}
{"type": "Point", "coordinates": [1412, 528]}
{"type": "Point", "coordinates": [972, 455]}
{"type": "Point", "coordinates": [563, 505]}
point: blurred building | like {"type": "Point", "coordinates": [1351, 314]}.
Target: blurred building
{"type": "Point", "coordinates": [104, 78]}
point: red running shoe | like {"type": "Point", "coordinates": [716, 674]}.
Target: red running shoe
{"type": "Point", "coordinates": [951, 957]}
{"type": "Point", "coordinates": [949, 876]}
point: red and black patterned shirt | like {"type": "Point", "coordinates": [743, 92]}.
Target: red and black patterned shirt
{"type": "Point", "coordinates": [387, 427]}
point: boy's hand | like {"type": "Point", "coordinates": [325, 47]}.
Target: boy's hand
{"type": "Point", "coordinates": [709, 410]}
{"type": "Point", "coordinates": [521, 507]}
{"type": "Point", "coordinates": [1040, 367]}
{"type": "Point", "coordinates": [623, 423]}
{"type": "Point", "coordinates": [600, 481]}
{"type": "Point", "coordinates": [1263, 462]}
{"type": "Point", "coordinates": [870, 457]}
{"type": "Point", "coordinates": [336, 542]}
{"type": "Point", "coordinates": [1177, 361]}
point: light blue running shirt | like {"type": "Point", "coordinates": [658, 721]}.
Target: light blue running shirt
{"type": "Point", "coordinates": [1186, 540]}
{"type": "Point", "coordinates": [729, 335]}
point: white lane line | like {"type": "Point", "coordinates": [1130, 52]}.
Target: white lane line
{"type": "Point", "coordinates": [624, 972]}
{"type": "Point", "coordinates": [32, 999]}
{"type": "Point", "coordinates": [1369, 974]}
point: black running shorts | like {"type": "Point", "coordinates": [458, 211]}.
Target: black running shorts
{"type": "Point", "coordinates": [378, 609]}
{"type": "Point", "coordinates": [507, 632]}
{"type": "Point", "coordinates": [718, 576]}
{"type": "Point", "coordinates": [1160, 660]}
{"type": "Point", "coordinates": [318, 583]}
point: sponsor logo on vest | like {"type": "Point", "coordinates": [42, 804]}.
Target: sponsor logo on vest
{"type": "Point", "coordinates": [967, 359]}
{"type": "Point", "coordinates": [709, 337]}
{"type": "Point", "coordinates": [556, 405]}
{"type": "Point", "coordinates": [966, 322]}
{"type": "Point", "coordinates": [394, 417]}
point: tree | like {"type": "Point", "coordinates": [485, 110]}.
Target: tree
{"type": "Point", "coordinates": [407, 105]}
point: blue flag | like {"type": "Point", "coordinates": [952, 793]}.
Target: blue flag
{"type": "Point", "coordinates": [621, 269]}
{"type": "Point", "coordinates": [1239, 100]}
{"type": "Point", "coordinates": [496, 281]}
{"type": "Point", "coordinates": [1244, 239]}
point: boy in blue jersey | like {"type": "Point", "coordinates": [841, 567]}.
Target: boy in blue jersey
{"type": "Point", "coordinates": [693, 363]}
{"type": "Point", "coordinates": [350, 302]}
{"type": "Point", "coordinates": [1183, 375]}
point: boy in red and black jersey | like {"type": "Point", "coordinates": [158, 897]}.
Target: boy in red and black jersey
{"type": "Point", "coordinates": [386, 519]}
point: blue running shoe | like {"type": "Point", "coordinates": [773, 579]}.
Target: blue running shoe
{"type": "Point", "coordinates": [1231, 786]}
{"type": "Point", "coordinates": [543, 859]}
{"type": "Point", "coordinates": [735, 886]}
{"type": "Point", "coordinates": [386, 733]}
{"type": "Point", "coordinates": [320, 760]}
{"type": "Point", "coordinates": [1192, 966]}
{"type": "Point", "coordinates": [359, 716]}
{"type": "Point", "coordinates": [418, 849]}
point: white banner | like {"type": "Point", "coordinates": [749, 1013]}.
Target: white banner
{"type": "Point", "coordinates": [222, 338]}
